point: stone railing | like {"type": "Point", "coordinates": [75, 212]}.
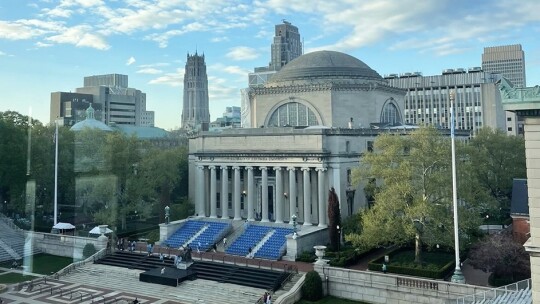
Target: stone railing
{"type": "Point", "coordinates": [294, 294]}
{"type": "Point", "coordinates": [493, 293]}
{"type": "Point", "coordinates": [370, 286]}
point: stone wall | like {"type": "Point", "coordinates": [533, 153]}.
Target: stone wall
{"type": "Point", "coordinates": [305, 242]}
{"type": "Point", "coordinates": [63, 245]}
{"type": "Point", "coordinates": [376, 287]}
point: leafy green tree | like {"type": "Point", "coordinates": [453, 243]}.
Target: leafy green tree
{"type": "Point", "coordinates": [495, 160]}
{"type": "Point", "coordinates": [164, 170]}
{"type": "Point", "coordinates": [13, 147]}
{"type": "Point", "coordinates": [414, 198]}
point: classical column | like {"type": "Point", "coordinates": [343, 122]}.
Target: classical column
{"type": "Point", "coordinates": [200, 191]}
{"type": "Point", "coordinates": [237, 193]}
{"type": "Point", "coordinates": [292, 192]}
{"type": "Point", "coordinates": [250, 193]}
{"type": "Point", "coordinates": [278, 207]}
{"type": "Point", "coordinates": [322, 197]}
{"type": "Point", "coordinates": [213, 192]}
{"type": "Point", "coordinates": [314, 197]}
{"type": "Point", "coordinates": [307, 197]}
{"type": "Point", "coordinates": [264, 191]}
{"type": "Point", "coordinates": [224, 192]}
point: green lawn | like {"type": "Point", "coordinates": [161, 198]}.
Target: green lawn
{"type": "Point", "coordinates": [10, 278]}
{"type": "Point", "coordinates": [331, 300]}
{"type": "Point", "coordinates": [430, 260]}
{"type": "Point", "coordinates": [44, 263]}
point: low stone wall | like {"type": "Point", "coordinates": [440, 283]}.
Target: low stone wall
{"type": "Point", "coordinates": [376, 287]}
{"type": "Point", "coordinates": [63, 245]}
{"type": "Point", "coordinates": [305, 242]}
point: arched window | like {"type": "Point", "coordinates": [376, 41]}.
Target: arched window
{"type": "Point", "coordinates": [293, 114]}
{"type": "Point", "coordinates": [390, 113]}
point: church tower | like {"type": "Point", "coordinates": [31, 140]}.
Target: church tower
{"type": "Point", "coordinates": [195, 112]}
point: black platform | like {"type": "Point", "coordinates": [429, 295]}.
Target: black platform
{"type": "Point", "coordinates": [171, 276]}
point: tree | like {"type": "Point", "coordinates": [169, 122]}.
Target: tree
{"type": "Point", "coordinates": [414, 198]}
{"type": "Point", "coordinates": [334, 218]}
{"type": "Point", "coordinates": [312, 288]}
{"type": "Point", "coordinates": [164, 170]}
{"type": "Point", "coordinates": [502, 255]}
{"type": "Point", "coordinates": [495, 160]}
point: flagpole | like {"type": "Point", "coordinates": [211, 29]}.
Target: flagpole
{"type": "Point", "coordinates": [457, 277]}
{"type": "Point", "coordinates": [56, 173]}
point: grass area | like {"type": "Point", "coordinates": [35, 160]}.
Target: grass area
{"type": "Point", "coordinates": [10, 278]}
{"type": "Point", "coordinates": [44, 263]}
{"type": "Point", "coordinates": [331, 300]}
{"type": "Point", "coordinates": [430, 260]}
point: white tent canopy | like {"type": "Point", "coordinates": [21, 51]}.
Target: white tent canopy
{"type": "Point", "coordinates": [96, 230]}
{"type": "Point", "coordinates": [63, 226]}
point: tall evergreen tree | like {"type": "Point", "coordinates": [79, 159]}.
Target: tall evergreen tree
{"type": "Point", "coordinates": [334, 218]}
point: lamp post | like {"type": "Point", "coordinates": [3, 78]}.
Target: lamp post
{"type": "Point", "coordinates": [339, 241]}
{"type": "Point", "coordinates": [487, 222]}
{"type": "Point", "coordinates": [294, 225]}
{"type": "Point", "coordinates": [457, 277]}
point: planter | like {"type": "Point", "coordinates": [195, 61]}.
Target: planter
{"type": "Point", "coordinates": [319, 252]}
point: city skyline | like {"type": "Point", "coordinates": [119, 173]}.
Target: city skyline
{"type": "Point", "coordinates": [48, 46]}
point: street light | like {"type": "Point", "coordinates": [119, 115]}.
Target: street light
{"type": "Point", "coordinates": [339, 241]}
{"type": "Point", "coordinates": [487, 222]}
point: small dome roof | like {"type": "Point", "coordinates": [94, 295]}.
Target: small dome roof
{"type": "Point", "coordinates": [326, 65]}
{"type": "Point", "coordinates": [90, 122]}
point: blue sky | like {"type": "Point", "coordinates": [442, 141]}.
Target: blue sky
{"type": "Point", "coordinates": [50, 45]}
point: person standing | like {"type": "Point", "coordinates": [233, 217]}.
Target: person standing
{"type": "Point", "coordinates": [384, 268]}
{"type": "Point", "coordinates": [224, 242]}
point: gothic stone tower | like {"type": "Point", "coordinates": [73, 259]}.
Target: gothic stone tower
{"type": "Point", "coordinates": [195, 112]}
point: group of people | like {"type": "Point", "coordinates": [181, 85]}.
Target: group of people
{"type": "Point", "coordinates": [121, 245]}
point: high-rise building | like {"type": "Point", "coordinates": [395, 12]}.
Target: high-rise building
{"type": "Point", "coordinates": [286, 46]}
{"type": "Point", "coordinates": [195, 112]}
{"type": "Point", "coordinates": [478, 102]}
{"type": "Point", "coordinates": [509, 61]}
{"type": "Point", "coordinates": [121, 104]}
{"type": "Point", "coordinates": [71, 107]}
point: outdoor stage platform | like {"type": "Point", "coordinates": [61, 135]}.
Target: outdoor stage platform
{"type": "Point", "coordinates": [171, 276]}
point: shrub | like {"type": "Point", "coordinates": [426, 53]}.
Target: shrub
{"type": "Point", "coordinates": [312, 288]}
{"type": "Point", "coordinates": [307, 257]}
{"type": "Point", "coordinates": [89, 250]}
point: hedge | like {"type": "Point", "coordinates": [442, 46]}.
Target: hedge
{"type": "Point", "coordinates": [441, 273]}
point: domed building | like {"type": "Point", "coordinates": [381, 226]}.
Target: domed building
{"type": "Point", "coordinates": [312, 123]}
{"type": "Point", "coordinates": [326, 88]}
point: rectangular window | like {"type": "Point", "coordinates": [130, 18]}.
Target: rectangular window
{"type": "Point", "coordinates": [508, 118]}
{"type": "Point", "coordinates": [509, 129]}
{"type": "Point", "coordinates": [370, 146]}
{"type": "Point", "coordinates": [218, 200]}
{"type": "Point", "coordinates": [229, 201]}
{"type": "Point", "coordinates": [347, 146]}
{"type": "Point", "coordinates": [349, 177]}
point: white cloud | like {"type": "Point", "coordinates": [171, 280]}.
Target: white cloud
{"type": "Point", "coordinates": [80, 36]}
{"type": "Point", "coordinates": [175, 79]}
{"type": "Point", "coordinates": [219, 39]}
{"type": "Point", "coordinates": [230, 69]}
{"type": "Point", "coordinates": [19, 31]}
{"type": "Point", "coordinates": [40, 44]}
{"type": "Point", "coordinates": [152, 65]}
{"type": "Point", "coordinates": [151, 71]}
{"type": "Point", "coordinates": [2, 53]}
{"type": "Point", "coordinates": [130, 61]}
{"type": "Point", "coordinates": [242, 53]}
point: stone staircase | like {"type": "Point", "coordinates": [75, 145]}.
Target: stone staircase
{"type": "Point", "coordinates": [287, 286]}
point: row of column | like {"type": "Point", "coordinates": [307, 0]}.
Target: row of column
{"type": "Point", "coordinates": [250, 195]}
